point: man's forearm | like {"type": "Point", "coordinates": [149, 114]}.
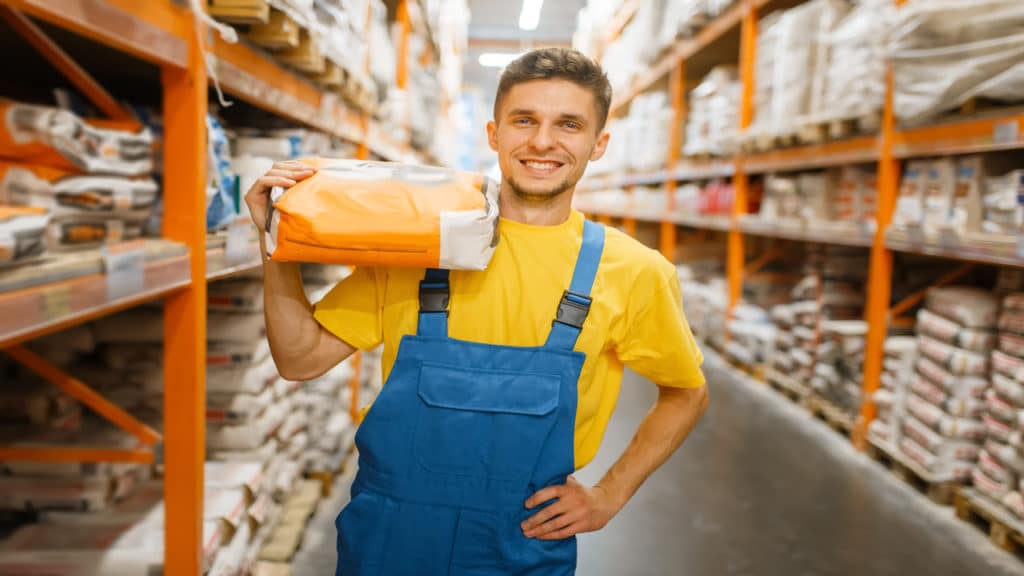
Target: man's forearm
{"type": "Point", "coordinates": [292, 330]}
{"type": "Point", "coordinates": [660, 433]}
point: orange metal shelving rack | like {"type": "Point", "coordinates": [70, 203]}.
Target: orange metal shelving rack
{"type": "Point", "coordinates": [166, 34]}
{"type": "Point", "coordinates": [885, 149]}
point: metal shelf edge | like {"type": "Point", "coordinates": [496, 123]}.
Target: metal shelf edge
{"type": "Point", "coordinates": [51, 307]}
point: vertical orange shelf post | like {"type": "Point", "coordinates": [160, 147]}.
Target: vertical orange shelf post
{"type": "Point", "coordinates": [184, 108]}
{"type": "Point", "coordinates": [741, 183]}
{"type": "Point", "coordinates": [677, 91]}
{"type": "Point", "coordinates": [879, 291]}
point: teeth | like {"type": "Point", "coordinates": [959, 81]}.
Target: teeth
{"type": "Point", "coordinates": [541, 165]}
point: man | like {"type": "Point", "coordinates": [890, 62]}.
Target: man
{"type": "Point", "coordinates": [500, 383]}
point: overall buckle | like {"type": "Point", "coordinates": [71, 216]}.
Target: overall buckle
{"type": "Point", "coordinates": [573, 309]}
{"type": "Point", "coordinates": [434, 296]}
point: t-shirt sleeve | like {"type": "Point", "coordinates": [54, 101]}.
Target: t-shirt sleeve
{"type": "Point", "coordinates": [657, 342]}
{"type": "Point", "coordinates": [353, 309]}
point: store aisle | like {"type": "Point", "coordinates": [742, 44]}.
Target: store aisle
{"type": "Point", "coordinates": [760, 489]}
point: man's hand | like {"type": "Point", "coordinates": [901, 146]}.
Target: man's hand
{"type": "Point", "coordinates": [284, 174]}
{"type": "Point", "coordinates": [577, 509]}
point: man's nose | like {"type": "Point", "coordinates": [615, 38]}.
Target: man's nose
{"type": "Point", "coordinates": [542, 139]}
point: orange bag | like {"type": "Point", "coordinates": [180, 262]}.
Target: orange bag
{"type": "Point", "coordinates": [385, 214]}
{"type": "Point", "coordinates": [54, 137]}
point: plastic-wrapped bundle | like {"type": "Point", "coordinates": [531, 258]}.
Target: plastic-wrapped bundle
{"type": "Point", "coordinates": [945, 52]}
{"type": "Point", "coordinates": [900, 352]}
{"type": "Point", "coordinates": [854, 80]}
{"type": "Point", "coordinates": [385, 214]}
{"type": "Point", "coordinates": [713, 122]}
{"type": "Point", "coordinates": [681, 18]}
{"type": "Point", "coordinates": [786, 88]}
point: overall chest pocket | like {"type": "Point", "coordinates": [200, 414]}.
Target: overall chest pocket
{"type": "Point", "coordinates": [483, 423]}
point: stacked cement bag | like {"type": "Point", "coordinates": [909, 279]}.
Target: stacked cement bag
{"type": "Point", "coordinates": [947, 419]}
{"type": "Point", "coordinates": [945, 52]}
{"type": "Point", "coordinates": [838, 370]}
{"type": "Point", "coordinates": [752, 336]}
{"type": "Point", "coordinates": [891, 398]}
{"type": "Point", "coordinates": [35, 413]}
{"type": "Point", "coordinates": [82, 184]}
{"type": "Point", "coordinates": [798, 340]}
{"type": "Point", "coordinates": [782, 360]}
{"type": "Point", "coordinates": [712, 126]}
{"type": "Point", "coordinates": [839, 356]}
{"type": "Point", "coordinates": [704, 302]}
{"type": "Point", "coordinates": [1001, 464]}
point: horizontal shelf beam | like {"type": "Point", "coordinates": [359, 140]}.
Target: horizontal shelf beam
{"type": "Point", "coordinates": [859, 150]}
{"type": "Point", "coordinates": [154, 30]}
{"type": "Point", "coordinates": [999, 131]}
{"type": "Point", "coordinates": [32, 312]}
{"type": "Point", "coordinates": [62, 454]}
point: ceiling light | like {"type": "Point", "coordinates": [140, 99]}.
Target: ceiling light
{"type": "Point", "coordinates": [529, 18]}
{"type": "Point", "coordinates": [497, 59]}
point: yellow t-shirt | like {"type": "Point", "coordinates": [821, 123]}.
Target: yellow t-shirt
{"type": "Point", "coordinates": [636, 318]}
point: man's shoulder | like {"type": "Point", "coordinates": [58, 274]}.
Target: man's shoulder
{"type": "Point", "coordinates": [627, 256]}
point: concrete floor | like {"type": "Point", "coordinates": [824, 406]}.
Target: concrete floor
{"type": "Point", "coordinates": [760, 489]}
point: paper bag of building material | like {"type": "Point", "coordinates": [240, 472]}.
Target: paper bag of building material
{"type": "Point", "coordinates": [22, 233]}
{"type": "Point", "coordinates": [58, 138]}
{"type": "Point", "coordinates": [64, 192]}
{"type": "Point", "coordinates": [385, 214]}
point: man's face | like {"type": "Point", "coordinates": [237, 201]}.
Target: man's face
{"type": "Point", "coordinates": [545, 132]}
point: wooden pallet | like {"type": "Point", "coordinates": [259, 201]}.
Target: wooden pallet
{"type": "Point", "coordinates": [280, 32]}
{"type": "Point", "coordinates": [240, 11]}
{"type": "Point", "coordinates": [306, 56]}
{"type": "Point", "coordinates": [789, 387]}
{"type": "Point", "coordinates": [939, 490]}
{"type": "Point", "coordinates": [332, 77]}
{"type": "Point", "coordinates": [829, 413]}
{"type": "Point", "coordinates": [1005, 530]}
{"type": "Point", "coordinates": [755, 372]}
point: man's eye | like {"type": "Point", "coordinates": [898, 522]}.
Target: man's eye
{"type": "Point", "coordinates": [571, 125]}
{"type": "Point", "coordinates": [523, 121]}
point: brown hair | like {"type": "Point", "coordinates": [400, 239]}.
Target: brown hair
{"type": "Point", "coordinates": [561, 64]}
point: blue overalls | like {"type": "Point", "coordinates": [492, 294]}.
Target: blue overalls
{"type": "Point", "coordinates": [460, 436]}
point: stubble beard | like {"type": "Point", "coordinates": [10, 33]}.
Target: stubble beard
{"type": "Point", "coordinates": [542, 196]}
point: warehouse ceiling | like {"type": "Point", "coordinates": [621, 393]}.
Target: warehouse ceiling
{"type": "Point", "coordinates": [494, 27]}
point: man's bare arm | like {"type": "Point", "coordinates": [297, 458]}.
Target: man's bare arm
{"type": "Point", "coordinates": [583, 509]}
{"type": "Point", "coordinates": [302, 349]}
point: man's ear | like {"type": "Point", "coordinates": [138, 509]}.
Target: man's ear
{"type": "Point", "coordinates": [492, 135]}
{"type": "Point", "coordinates": [601, 146]}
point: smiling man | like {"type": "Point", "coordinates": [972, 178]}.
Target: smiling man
{"type": "Point", "coordinates": [500, 383]}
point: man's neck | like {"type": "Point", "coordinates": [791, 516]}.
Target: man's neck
{"type": "Point", "coordinates": [549, 212]}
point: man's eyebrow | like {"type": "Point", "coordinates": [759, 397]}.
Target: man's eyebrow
{"type": "Point", "coordinates": [564, 116]}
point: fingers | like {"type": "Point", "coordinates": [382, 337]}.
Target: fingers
{"type": "Point", "coordinates": [566, 532]}
{"type": "Point", "coordinates": [276, 180]}
{"type": "Point", "coordinates": [531, 523]}
{"type": "Point", "coordinates": [556, 524]}
{"type": "Point", "coordinates": [544, 495]}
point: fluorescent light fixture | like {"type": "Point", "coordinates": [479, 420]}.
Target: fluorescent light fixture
{"type": "Point", "coordinates": [529, 17]}
{"type": "Point", "coordinates": [497, 59]}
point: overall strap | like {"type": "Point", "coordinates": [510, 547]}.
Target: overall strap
{"type": "Point", "coordinates": [434, 295]}
{"type": "Point", "coordinates": [575, 303]}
